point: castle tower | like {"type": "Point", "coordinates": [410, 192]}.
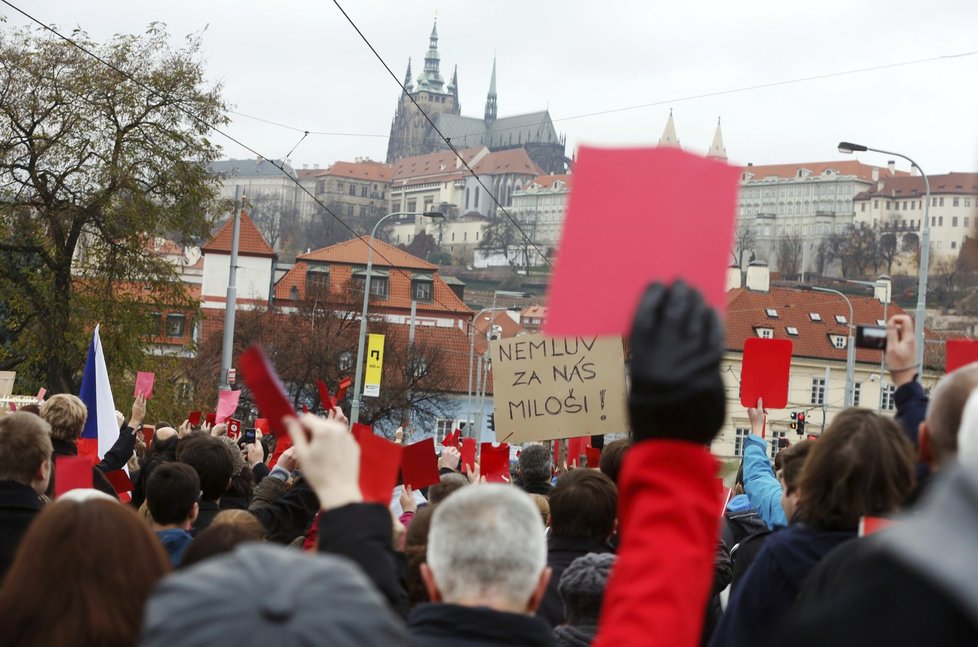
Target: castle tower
{"type": "Point", "coordinates": [491, 97]}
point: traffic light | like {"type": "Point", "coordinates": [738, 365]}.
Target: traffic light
{"type": "Point", "coordinates": [492, 422]}
{"type": "Point", "coordinates": [801, 423]}
{"type": "Point", "coordinates": [794, 421]}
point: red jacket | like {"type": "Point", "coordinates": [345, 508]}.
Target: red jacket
{"type": "Point", "coordinates": [669, 507]}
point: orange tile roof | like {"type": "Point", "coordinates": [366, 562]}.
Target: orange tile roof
{"type": "Point", "coordinates": [355, 252]}
{"type": "Point", "coordinates": [534, 311]}
{"type": "Point", "coordinates": [250, 240]}
{"type": "Point", "coordinates": [842, 167]}
{"type": "Point", "coordinates": [913, 186]}
{"type": "Point", "coordinates": [452, 343]}
{"type": "Point", "coordinates": [514, 160]}
{"type": "Point", "coordinates": [548, 181]}
{"type": "Point", "coordinates": [502, 320]}
{"type": "Point", "coordinates": [366, 170]}
{"type": "Point", "coordinates": [747, 310]}
{"type": "Point", "coordinates": [432, 165]}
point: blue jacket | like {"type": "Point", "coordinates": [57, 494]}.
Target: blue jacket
{"type": "Point", "coordinates": [772, 583]}
{"type": "Point", "coordinates": [760, 483]}
{"type": "Point", "coordinates": [175, 541]}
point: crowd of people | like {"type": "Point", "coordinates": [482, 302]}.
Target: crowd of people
{"type": "Point", "coordinates": [217, 547]}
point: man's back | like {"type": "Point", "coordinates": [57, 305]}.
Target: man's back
{"type": "Point", "coordinates": [437, 625]}
{"type": "Point", "coordinates": [19, 504]}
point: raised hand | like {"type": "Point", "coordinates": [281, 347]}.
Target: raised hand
{"type": "Point", "coordinates": [330, 459]}
{"type": "Point", "coordinates": [901, 349]}
{"type": "Point", "coordinates": [138, 412]}
{"type": "Point", "coordinates": [756, 415]}
{"type": "Point", "coordinates": [449, 458]}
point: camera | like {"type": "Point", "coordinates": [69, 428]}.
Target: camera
{"type": "Point", "coordinates": [871, 337]}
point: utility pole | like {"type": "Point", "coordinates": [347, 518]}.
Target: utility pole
{"type": "Point", "coordinates": [231, 301]}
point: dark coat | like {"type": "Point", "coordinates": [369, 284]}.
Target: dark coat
{"type": "Point", "coordinates": [538, 487]}
{"type": "Point", "coordinates": [561, 551]}
{"type": "Point", "coordinates": [19, 504]}
{"type": "Point", "coordinates": [208, 510]}
{"type": "Point", "coordinates": [776, 575]}
{"type": "Point", "coordinates": [444, 625]}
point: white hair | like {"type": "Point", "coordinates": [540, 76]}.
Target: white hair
{"type": "Point", "coordinates": [968, 432]}
{"type": "Point", "coordinates": [487, 541]}
{"type": "Point", "coordinates": [81, 495]}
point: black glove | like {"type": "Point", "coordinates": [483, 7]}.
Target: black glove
{"type": "Point", "coordinates": [676, 388]}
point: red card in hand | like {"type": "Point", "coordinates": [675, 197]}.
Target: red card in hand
{"type": "Point", "coordinates": [379, 462]}
{"type": "Point", "coordinates": [193, 418]}
{"type": "Point", "coordinates": [764, 374]}
{"type": "Point", "coordinates": [144, 384]}
{"type": "Point", "coordinates": [419, 465]}
{"type": "Point", "coordinates": [959, 353]}
{"type": "Point", "coordinates": [148, 432]}
{"type": "Point", "coordinates": [451, 440]}
{"type": "Point", "coordinates": [494, 463]}
{"type": "Point", "coordinates": [120, 481]}
{"type": "Point", "coordinates": [261, 424]}
{"type": "Point", "coordinates": [468, 454]}
{"type": "Point", "coordinates": [341, 389]}
{"type": "Point", "coordinates": [234, 428]}
{"type": "Point", "coordinates": [211, 419]}
{"type": "Point", "coordinates": [324, 397]}
{"type": "Point", "coordinates": [593, 456]}
{"type": "Point", "coordinates": [266, 389]}
{"type": "Point", "coordinates": [40, 393]}
{"type": "Point", "coordinates": [575, 449]}
{"type": "Point", "coordinates": [72, 473]}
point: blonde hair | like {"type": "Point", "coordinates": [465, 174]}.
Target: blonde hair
{"type": "Point", "coordinates": [66, 414]}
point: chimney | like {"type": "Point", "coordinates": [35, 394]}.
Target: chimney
{"type": "Point", "coordinates": [734, 278]}
{"type": "Point", "coordinates": [883, 289]}
{"type": "Point", "coordinates": [758, 277]}
{"type": "Point", "coordinates": [876, 174]}
{"type": "Point", "coordinates": [891, 164]}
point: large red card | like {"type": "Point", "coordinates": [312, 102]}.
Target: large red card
{"type": "Point", "coordinates": [227, 404]}
{"type": "Point", "coordinates": [325, 398]}
{"type": "Point", "coordinates": [266, 389]}
{"type": "Point", "coordinates": [148, 432]}
{"type": "Point", "coordinates": [72, 473]}
{"type": "Point", "coordinates": [194, 418]}
{"type": "Point", "coordinates": [120, 481]}
{"type": "Point", "coordinates": [144, 384]}
{"type": "Point", "coordinates": [593, 456]}
{"type": "Point", "coordinates": [419, 464]}
{"type": "Point", "coordinates": [261, 424]}
{"type": "Point", "coordinates": [233, 428]}
{"type": "Point", "coordinates": [451, 440]}
{"type": "Point", "coordinates": [575, 449]}
{"type": "Point", "coordinates": [494, 463]}
{"type": "Point", "coordinates": [614, 243]}
{"type": "Point", "coordinates": [210, 419]}
{"type": "Point", "coordinates": [341, 389]}
{"type": "Point", "coordinates": [765, 370]}
{"type": "Point", "coordinates": [379, 462]}
{"type": "Point", "coordinates": [468, 454]}
{"type": "Point", "coordinates": [960, 352]}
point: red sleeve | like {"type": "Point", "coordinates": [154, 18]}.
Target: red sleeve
{"type": "Point", "coordinates": [669, 507]}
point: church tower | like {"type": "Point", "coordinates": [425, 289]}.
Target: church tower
{"type": "Point", "coordinates": [410, 129]}
{"type": "Point", "coordinates": [491, 97]}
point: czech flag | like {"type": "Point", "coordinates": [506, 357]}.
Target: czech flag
{"type": "Point", "coordinates": [101, 429]}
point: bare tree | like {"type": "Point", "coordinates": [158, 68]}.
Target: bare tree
{"type": "Point", "coordinates": [744, 241]}
{"type": "Point", "coordinates": [276, 217]}
{"type": "Point", "coordinates": [790, 253]}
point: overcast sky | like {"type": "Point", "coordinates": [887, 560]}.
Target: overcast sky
{"type": "Point", "coordinates": [300, 63]}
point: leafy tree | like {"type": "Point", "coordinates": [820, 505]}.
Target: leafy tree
{"type": "Point", "coordinates": [92, 168]}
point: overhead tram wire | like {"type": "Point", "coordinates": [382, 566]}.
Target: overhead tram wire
{"type": "Point", "coordinates": [447, 141]}
{"type": "Point", "coordinates": [213, 127]}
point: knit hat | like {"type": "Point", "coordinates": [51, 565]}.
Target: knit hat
{"type": "Point", "coordinates": [236, 458]}
{"type": "Point", "coordinates": [300, 600]}
{"type": "Point", "coordinates": [582, 587]}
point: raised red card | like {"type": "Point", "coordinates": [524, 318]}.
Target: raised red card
{"type": "Point", "coordinates": [614, 243]}
{"type": "Point", "coordinates": [233, 428]}
{"type": "Point", "coordinates": [266, 389]}
{"type": "Point", "coordinates": [451, 440]}
{"type": "Point", "coordinates": [419, 464]}
{"type": "Point", "coordinates": [144, 384]}
{"type": "Point", "coordinates": [227, 404]}
{"type": "Point", "coordinates": [194, 418]}
{"type": "Point", "coordinates": [593, 456]}
{"type": "Point", "coordinates": [575, 449]}
{"type": "Point", "coordinates": [148, 431]}
{"type": "Point", "coordinates": [72, 473]}
{"type": "Point", "coordinates": [468, 454]}
{"type": "Point", "coordinates": [261, 424]}
{"type": "Point", "coordinates": [764, 374]}
{"type": "Point", "coordinates": [325, 398]}
{"type": "Point", "coordinates": [120, 481]}
{"type": "Point", "coordinates": [211, 419]}
{"type": "Point", "coordinates": [379, 463]}
{"type": "Point", "coordinates": [40, 393]}
{"type": "Point", "coordinates": [345, 384]}
{"type": "Point", "coordinates": [960, 352]}
{"type": "Point", "coordinates": [494, 463]}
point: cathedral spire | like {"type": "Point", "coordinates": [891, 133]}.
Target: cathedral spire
{"type": "Point", "coordinates": [669, 137]}
{"type": "Point", "coordinates": [453, 84]}
{"type": "Point", "coordinates": [717, 148]}
{"type": "Point", "coordinates": [431, 79]}
{"type": "Point", "coordinates": [407, 77]}
{"type": "Point", "coordinates": [491, 98]}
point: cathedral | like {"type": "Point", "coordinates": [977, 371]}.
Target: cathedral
{"type": "Point", "coordinates": [411, 134]}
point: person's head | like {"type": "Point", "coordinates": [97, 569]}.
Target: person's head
{"type": "Point", "coordinates": [447, 484]}
{"type": "Point", "coordinates": [792, 461]}
{"type": "Point", "coordinates": [862, 465]}
{"type": "Point", "coordinates": [583, 505]}
{"type": "Point", "coordinates": [164, 434]}
{"type": "Point", "coordinates": [582, 588]}
{"type": "Point", "coordinates": [487, 547]}
{"type": "Point", "coordinates": [97, 599]}
{"type": "Point", "coordinates": [415, 549]}
{"type": "Point", "coordinates": [25, 450]}
{"type": "Point", "coordinates": [938, 438]}
{"type": "Point", "coordinates": [224, 534]}
{"type": "Point", "coordinates": [209, 456]}
{"type": "Point", "coordinates": [304, 599]}
{"type": "Point", "coordinates": [30, 408]}
{"type": "Point", "coordinates": [66, 414]}
{"type": "Point", "coordinates": [172, 494]}
{"type": "Point", "coordinates": [612, 457]}
{"type": "Point", "coordinates": [543, 505]}
{"type": "Point", "coordinates": [535, 464]}
{"type": "Point", "coordinates": [738, 487]}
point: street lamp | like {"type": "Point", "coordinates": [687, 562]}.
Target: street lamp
{"type": "Point", "coordinates": [472, 359]}
{"type": "Point", "coordinates": [848, 147]}
{"type": "Point", "coordinates": [358, 384]}
{"type": "Point", "coordinates": [850, 350]}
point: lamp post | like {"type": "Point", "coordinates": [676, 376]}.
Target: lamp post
{"type": "Point", "coordinates": [848, 147]}
{"type": "Point", "coordinates": [484, 375]}
{"type": "Point", "coordinates": [850, 350]}
{"type": "Point", "coordinates": [885, 299]}
{"type": "Point", "coordinates": [358, 383]}
{"type": "Point", "coordinates": [471, 415]}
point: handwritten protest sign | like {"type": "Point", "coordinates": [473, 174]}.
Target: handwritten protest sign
{"type": "Point", "coordinates": [557, 387]}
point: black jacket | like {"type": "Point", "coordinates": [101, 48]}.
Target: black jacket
{"type": "Point", "coordinates": [444, 625]}
{"type": "Point", "coordinates": [538, 487]}
{"type": "Point", "coordinates": [19, 504]}
{"type": "Point", "coordinates": [208, 510]}
{"type": "Point", "coordinates": [561, 551]}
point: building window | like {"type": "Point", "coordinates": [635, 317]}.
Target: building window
{"type": "Point", "coordinates": [967, 202]}
{"type": "Point", "coordinates": [840, 319]}
{"type": "Point", "coordinates": [176, 325]}
{"type": "Point", "coordinates": [933, 202]}
{"type": "Point", "coordinates": [156, 324]}
{"type": "Point", "coordinates": [956, 202]}
{"type": "Point", "coordinates": [862, 207]}
{"type": "Point", "coordinates": [818, 390]}
{"type": "Point", "coordinates": [378, 285]}
{"type": "Point", "coordinates": [913, 206]}
{"type": "Point", "coordinates": [317, 283]}
{"type": "Point", "coordinates": [775, 445]}
{"type": "Point", "coordinates": [940, 221]}
{"type": "Point", "coordinates": [363, 191]}
{"type": "Point", "coordinates": [453, 236]}
{"type": "Point", "coordinates": [465, 235]}
{"type": "Point", "coordinates": [421, 291]}
{"type": "Point", "coordinates": [412, 206]}
{"type": "Point", "coordinates": [954, 221]}
{"type": "Point", "coordinates": [876, 204]}
{"type": "Point", "coordinates": [814, 316]}
{"type": "Point", "coordinates": [476, 198]}
{"type": "Point", "coordinates": [940, 201]}
{"type": "Point", "coordinates": [466, 199]}
{"type": "Point", "coordinates": [765, 333]}
{"type": "Point", "coordinates": [887, 204]}
{"type": "Point", "coordinates": [857, 390]}
{"type": "Point", "coordinates": [889, 402]}
{"type": "Point", "coordinates": [954, 244]}
{"type": "Point", "coordinates": [443, 427]}
{"type": "Point", "coordinates": [772, 313]}
{"type": "Point", "coordinates": [792, 331]}
{"type": "Point", "coordinates": [740, 433]}
{"type": "Point", "coordinates": [353, 189]}
{"type": "Point", "coordinates": [838, 341]}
